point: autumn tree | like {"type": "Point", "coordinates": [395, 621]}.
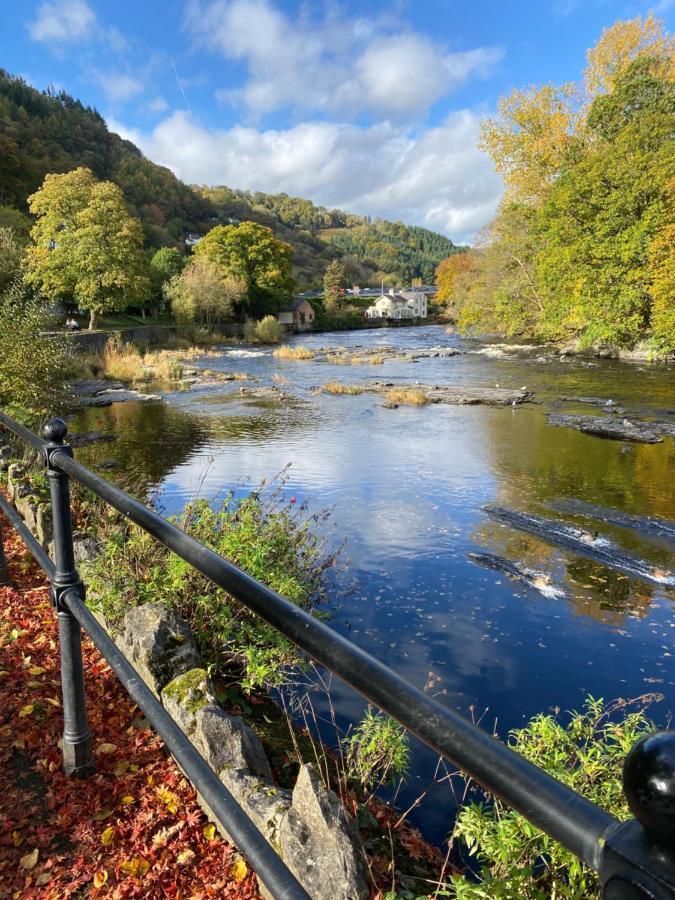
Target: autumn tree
{"type": "Point", "coordinates": [581, 245]}
{"type": "Point", "coordinates": [531, 138]}
{"type": "Point", "coordinates": [260, 262]}
{"type": "Point", "coordinates": [202, 295]}
{"type": "Point", "coordinates": [334, 281]}
{"type": "Point", "coordinates": [447, 271]}
{"type": "Point", "coordinates": [85, 244]}
{"type": "Point", "coordinates": [622, 43]}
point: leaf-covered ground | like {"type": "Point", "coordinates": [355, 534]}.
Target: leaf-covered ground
{"type": "Point", "coordinates": [132, 830]}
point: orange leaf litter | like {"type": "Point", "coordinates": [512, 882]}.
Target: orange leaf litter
{"type": "Point", "coordinates": [132, 830]}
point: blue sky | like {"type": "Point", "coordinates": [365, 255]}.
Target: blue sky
{"type": "Point", "coordinates": [373, 107]}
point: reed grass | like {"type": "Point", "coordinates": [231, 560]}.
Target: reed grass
{"type": "Point", "coordinates": [336, 387]}
{"type": "Point", "coordinates": [286, 352]}
{"type": "Point", "coordinates": [410, 396]}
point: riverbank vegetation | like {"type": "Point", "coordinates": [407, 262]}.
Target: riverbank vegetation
{"type": "Point", "coordinates": [269, 539]}
{"type": "Point", "coordinates": [581, 247]}
{"type": "Point", "coordinates": [267, 331]}
{"type": "Point", "coordinates": [587, 754]}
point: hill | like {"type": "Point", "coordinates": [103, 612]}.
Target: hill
{"type": "Point", "coordinates": [50, 131]}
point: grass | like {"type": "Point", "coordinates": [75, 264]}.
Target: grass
{"type": "Point", "coordinates": [127, 362]}
{"type": "Point", "coordinates": [336, 387]}
{"type": "Point", "coordinates": [294, 353]}
{"type": "Point", "coordinates": [410, 396]}
{"type": "Point", "coordinates": [367, 360]}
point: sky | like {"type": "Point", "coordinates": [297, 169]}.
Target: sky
{"type": "Point", "coordinates": [372, 107]}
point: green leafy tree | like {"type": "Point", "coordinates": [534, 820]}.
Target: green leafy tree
{"type": "Point", "coordinates": [604, 212]}
{"type": "Point", "coordinates": [86, 244]}
{"type": "Point", "coordinates": [334, 281]}
{"type": "Point", "coordinates": [166, 263]}
{"type": "Point", "coordinates": [19, 223]}
{"type": "Point", "coordinates": [11, 254]}
{"type": "Point", "coordinates": [251, 254]}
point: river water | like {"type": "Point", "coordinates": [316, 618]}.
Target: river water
{"type": "Point", "coordinates": [407, 487]}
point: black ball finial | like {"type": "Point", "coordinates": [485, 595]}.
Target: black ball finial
{"type": "Point", "coordinates": [55, 431]}
{"type": "Point", "coordinates": [649, 784]}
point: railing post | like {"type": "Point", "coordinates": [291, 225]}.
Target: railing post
{"type": "Point", "coordinates": [77, 755]}
{"type": "Point", "coordinates": [638, 859]}
{"type": "Point", "coordinates": [4, 571]}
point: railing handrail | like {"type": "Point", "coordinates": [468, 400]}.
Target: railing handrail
{"type": "Point", "coordinates": [576, 823]}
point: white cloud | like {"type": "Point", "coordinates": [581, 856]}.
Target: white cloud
{"type": "Point", "coordinates": [118, 88]}
{"type": "Point", "coordinates": [63, 22]}
{"type": "Point", "coordinates": [437, 179]}
{"type": "Point", "coordinates": [159, 104]}
{"type": "Point", "coordinates": [337, 65]}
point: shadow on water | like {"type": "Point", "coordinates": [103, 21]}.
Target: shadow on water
{"type": "Point", "coordinates": [408, 486]}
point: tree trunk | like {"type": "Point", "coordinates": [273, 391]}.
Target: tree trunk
{"type": "Point", "coordinates": [92, 320]}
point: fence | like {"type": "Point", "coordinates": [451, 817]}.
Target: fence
{"type": "Point", "coordinates": [635, 859]}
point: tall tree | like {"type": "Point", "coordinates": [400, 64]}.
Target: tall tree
{"type": "Point", "coordinates": [447, 271]}
{"type": "Point", "coordinates": [619, 45]}
{"type": "Point", "coordinates": [531, 138]}
{"type": "Point", "coordinates": [86, 244]}
{"type": "Point", "coordinates": [200, 294]}
{"type": "Point", "coordinates": [251, 254]}
{"type": "Point", "coordinates": [164, 265]}
{"type": "Point", "coordinates": [334, 281]}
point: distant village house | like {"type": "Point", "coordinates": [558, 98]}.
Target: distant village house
{"type": "Point", "coordinates": [399, 305]}
{"type": "Point", "coordinates": [299, 316]}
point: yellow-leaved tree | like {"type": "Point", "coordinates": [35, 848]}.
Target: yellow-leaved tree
{"type": "Point", "coordinates": [86, 245]}
{"type": "Point", "coordinates": [619, 45]}
{"type": "Point", "coordinates": [530, 138]}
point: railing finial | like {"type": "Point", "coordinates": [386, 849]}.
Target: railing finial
{"type": "Point", "coordinates": [55, 431]}
{"type": "Point", "coordinates": [649, 785]}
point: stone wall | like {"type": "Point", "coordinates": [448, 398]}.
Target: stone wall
{"type": "Point", "coordinates": [95, 341]}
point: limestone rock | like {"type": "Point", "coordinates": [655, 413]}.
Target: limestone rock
{"type": "Point", "coordinates": [319, 842]}
{"type": "Point", "coordinates": [16, 475]}
{"type": "Point", "coordinates": [85, 547]}
{"type": "Point", "coordinates": [159, 644]}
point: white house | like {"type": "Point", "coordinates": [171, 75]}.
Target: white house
{"type": "Point", "coordinates": [395, 305]}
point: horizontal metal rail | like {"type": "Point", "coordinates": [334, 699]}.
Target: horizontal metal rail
{"type": "Point", "coordinates": [569, 818]}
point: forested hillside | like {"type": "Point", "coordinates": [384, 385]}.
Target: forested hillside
{"type": "Point", "coordinates": [47, 132]}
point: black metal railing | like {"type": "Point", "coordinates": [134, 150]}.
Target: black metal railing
{"type": "Point", "coordinates": [634, 859]}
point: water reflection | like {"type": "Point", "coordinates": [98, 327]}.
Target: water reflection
{"type": "Point", "coordinates": [407, 488]}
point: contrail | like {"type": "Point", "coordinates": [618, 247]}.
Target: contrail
{"type": "Point", "coordinates": [173, 66]}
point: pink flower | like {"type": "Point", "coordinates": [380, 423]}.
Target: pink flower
{"type": "Point", "coordinates": [294, 500]}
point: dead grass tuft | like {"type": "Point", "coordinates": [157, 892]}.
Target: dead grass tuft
{"type": "Point", "coordinates": [410, 396]}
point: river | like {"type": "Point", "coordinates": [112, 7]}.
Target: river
{"type": "Point", "coordinates": [407, 486]}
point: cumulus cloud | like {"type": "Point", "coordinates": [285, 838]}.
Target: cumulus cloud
{"type": "Point", "coordinates": [437, 179]}
{"type": "Point", "coordinates": [118, 87]}
{"type": "Point", "coordinates": [62, 22]}
{"type": "Point", "coordinates": [337, 65]}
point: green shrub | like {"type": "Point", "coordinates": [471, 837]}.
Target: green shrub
{"type": "Point", "coordinates": [377, 751]}
{"type": "Point", "coordinates": [267, 331]}
{"type": "Point", "coordinates": [34, 368]}
{"type": "Point", "coordinates": [519, 861]}
{"type": "Point", "coordinates": [264, 536]}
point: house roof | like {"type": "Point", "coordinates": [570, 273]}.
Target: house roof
{"type": "Point", "coordinates": [296, 304]}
